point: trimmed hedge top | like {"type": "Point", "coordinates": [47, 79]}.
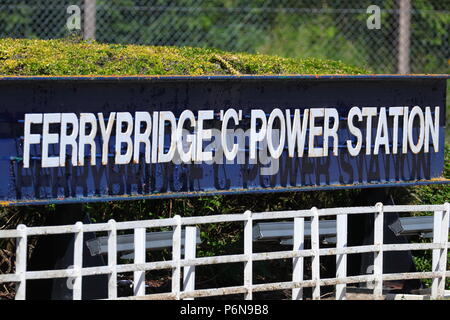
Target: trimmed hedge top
{"type": "Point", "coordinates": [69, 57]}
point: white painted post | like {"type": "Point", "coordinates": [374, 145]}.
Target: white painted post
{"type": "Point", "coordinates": [176, 257]}
{"type": "Point", "coordinates": [112, 259]}
{"type": "Point", "coordinates": [436, 252]}
{"type": "Point", "coordinates": [440, 235]}
{"type": "Point", "coordinates": [341, 259]}
{"type": "Point", "coordinates": [315, 247]}
{"type": "Point", "coordinates": [378, 255]}
{"type": "Point", "coordinates": [297, 267]}
{"type": "Point", "coordinates": [21, 262]}
{"type": "Point", "coordinates": [444, 240]}
{"type": "Point", "coordinates": [139, 257]}
{"type": "Point", "coordinates": [248, 251]}
{"type": "Point", "coordinates": [90, 17]}
{"type": "Point", "coordinates": [190, 245]}
{"type": "Point", "coordinates": [78, 261]}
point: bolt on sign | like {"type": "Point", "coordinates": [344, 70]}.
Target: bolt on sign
{"type": "Point", "coordinates": [79, 139]}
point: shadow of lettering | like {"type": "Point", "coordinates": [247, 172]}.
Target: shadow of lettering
{"type": "Point", "coordinates": [373, 173]}
{"type": "Point", "coordinates": [289, 171]}
{"type": "Point", "coordinates": [195, 174]}
{"type": "Point", "coordinates": [323, 169]}
{"type": "Point", "coordinates": [98, 174]}
{"type": "Point", "coordinates": [79, 180]}
{"type": "Point", "coordinates": [249, 172]}
{"type": "Point", "coordinates": [115, 179]}
{"type": "Point", "coordinates": [346, 168]}
{"type": "Point", "coordinates": [307, 172]}
{"type": "Point", "coordinates": [221, 182]}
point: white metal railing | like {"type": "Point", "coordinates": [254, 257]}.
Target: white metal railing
{"type": "Point", "coordinates": [187, 265]}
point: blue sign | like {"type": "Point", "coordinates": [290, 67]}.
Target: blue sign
{"type": "Point", "coordinates": [79, 139]}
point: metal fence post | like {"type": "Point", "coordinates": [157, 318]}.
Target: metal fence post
{"type": "Point", "coordinates": [190, 244]}
{"type": "Point", "coordinates": [78, 261]}
{"type": "Point", "coordinates": [378, 254]}
{"type": "Point", "coordinates": [21, 262]}
{"type": "Point", "coordinates": [90, 17]}
{"type": "Point", "coordinates": [341, 259]}
{"type": "Point", "coordinates": [139, 258]}
{"type": "Point", "coordinates": [404, 37]}
{"type": "Point", "coordinates": [176, 257]}
{"type": "Point", "coordinates": [248, 251]}
{"type": "Point", "coordinates": [315, 247]}
{"type": "Point", "coordinates": [439, 264]}
{"type": "Point", "coordinates": [112, 259]}
{"type": "Point", "coordinates": [297, 267]}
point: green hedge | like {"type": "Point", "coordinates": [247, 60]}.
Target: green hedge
{"type": "Point", "coordinates": [75, 57]}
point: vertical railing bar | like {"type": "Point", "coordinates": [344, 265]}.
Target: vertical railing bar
{"type": "Point", "coordinates": [21, 262]}
{"type": "Point", "coordinates": [437, 221]}
{"type": "Point", "coordinates": [78, 261]}
{"type": "Point", "coordinates": [112, 259]}
{"type": "Point", "coordinates": [248, 251]}
{"type": "Point", "coordinates": [176, 257]}
{"type": "Point", "coordinates": [190, 246]}
{"type": "Point", "coordinates": [444, 242]}
{"type": "Point", "coordinates": [315, 246]}
{"type": "Point", "coordinates": [341, 259]}
{"type": "Point", "coordinates": [378, 255]}
{"type": "Point", "coordinates": [439, 263]}
{"type": "Point", "coordinates": [298, 262]}
{"type": "Point", "coordinates": [139, 257]}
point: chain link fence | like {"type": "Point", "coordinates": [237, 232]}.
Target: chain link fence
{"type": "Point", "coordinates": [416, 31]}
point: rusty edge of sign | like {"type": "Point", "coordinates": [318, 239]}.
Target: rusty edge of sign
{"type": "Point", "coordinates": [227, 77]}
{"type": "Point", "coordinates": [219, 192]}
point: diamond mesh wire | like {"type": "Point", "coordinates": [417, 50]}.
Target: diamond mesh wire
{"type": "Point", "coordinates": [291, 28]}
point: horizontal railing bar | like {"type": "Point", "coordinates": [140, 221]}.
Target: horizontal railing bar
{"type": "Point", "coordinates": [159, 265]}
{"type": "Point", "coordinates": [287, 285]}
{"type": "Point", "coordinates": [51, 274]}
{"type": "Point", "coordinates": [242, 257]}
{"type": "Point", "coordinates": [154, 296]}
{"type": "Point", "coordinates": [281, 214]}
{"type": "Point", "coordinates": [414, 208]}
{"type": "Point", "coordinates": [157, 223]}
{"type": "Point", "coordinates": [214, 292]}
{"type": "Point", "coordinates": [49, 230]}
{"type": "Point", "coordinates": [9, 277]}
{"type": "Point", "coordinates": [9, 234]}
{"type": "Point", "coordinates": [411, 275]}
{"type": "Point", "coordinates": [412, 246]}
{"type": "Point", "coordinates": [213, 219]}
{"type": "Point", "coordinates": [272, 286]}
{"type": "Point", "coordinates": [98, 227]}
{"type": "Point", "coordinates": [385, 247]}
{"type": "Point", "coordinates": [237, 289]}
{"type": "Point", "coordinates": [89, 271]}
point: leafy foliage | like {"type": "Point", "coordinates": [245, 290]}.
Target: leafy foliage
{"type": "Point", "coordinates": [76, 57]}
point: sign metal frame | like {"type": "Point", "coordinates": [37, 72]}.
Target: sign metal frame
{"type": "Point", "coordinates": [43, 87]}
